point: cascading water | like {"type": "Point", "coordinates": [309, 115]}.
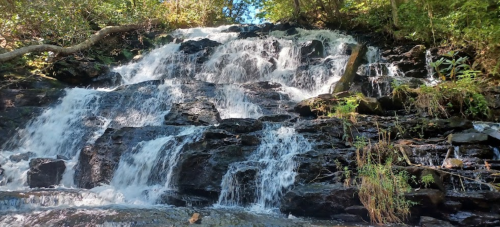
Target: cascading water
{"type": "Point", "coordinates": [149, 88]}
{"type": "Point", "coordinates": [274, 166]}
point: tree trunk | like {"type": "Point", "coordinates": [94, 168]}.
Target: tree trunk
{"type": "Point", "coordinates": [297, 8]}
{"type": "Point", "coordinates": [395, 5]}
{"type": "Point", "coordinates": [72, 49]}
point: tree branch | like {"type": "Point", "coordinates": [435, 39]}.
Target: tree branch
{"type": "Point", "coordinates": [72, 49]}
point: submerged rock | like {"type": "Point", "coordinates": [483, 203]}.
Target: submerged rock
{"type": "Point", "coordinates": [45, 172]}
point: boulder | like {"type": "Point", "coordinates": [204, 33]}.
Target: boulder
{"type": "Point", "coordinates": [369, 105]}
{"type": "Point", "coordinates": [276, 118]}
{"type": "Point", "coordinates": [312, 49]}
{"type": "Point", "coordinates": [192, 46]}
{"type": "Point", "coordinates": [426, 198]}
{"type": "Point", "coordinates": [110, 79]}
{"type": "Point", "coordinates": [78, 72]}
{"type": "Point", "coordinates": [245, 35]}
{"type": "Point", "coordinates": [200, 112]}
{"type": "Point", "coordinates": [426, 221]}
{"type": "Point", "coordinates": [203, 48]}
{"type": "Point", "coordinates": [319, 200]}
{"type": "Point", "coordinates": [468, 138]}
{"type": "Point", "coordinates": [45, 172]}
{"type": "Point", "coordinates": [465, 218]}
{"type": "Point", "coordinates": [240, 125]}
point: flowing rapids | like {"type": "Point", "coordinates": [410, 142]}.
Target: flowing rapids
{"type": "Point", "coordinates": [148, 90]}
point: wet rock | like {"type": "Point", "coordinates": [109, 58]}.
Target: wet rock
{"type": "Point", "coordinates": [433, 222]}
{"type": "Point", "coordinates": [191, 46]}
{"type": "Point", "coordinates": [245, 35]}
{"type": "Point", "coordinates": [200, 112]}
{"type": "Point", "coordinates": [291, 31]}
{"type": "Point", "coordinates": [176, 199]}
{"type": "Point", "coordinates": [352, 66]}
{"type": "Point", "coordinates": [233, 29]}
{"type": "Point", "coordinates": [98, 162]}
{"type": "Point", "coordinates": [468, 138]}
{"type": "Point", "coordinates": [276, 118]}
{"type": "Point", "coordinates": [464, 218]}
{"type": "Point", "coordinates": [312, 49]}
{"type": "Point", "coordinates": [240, 125]}
{"type": "Point", "coordinates": [453, 163]}
{"type": "Point", "coordinates": [20, 157]}
{"type": "Point", "coordinates": [45, 172]}
{"type": "Point", "coordinates": [452, 206]}
{"type": "Point", "coordinates": [266, 27]}
{"type": "Point", "coordinates": [391, 102]}
{"type": "Point", "coordinates": [249, 140]}
{"type": "Point", "coordinates": [319, 200]}
{"type": "Point", "coordinates": [347, 218]}
{"type": "Point", "coordinates": [203, 47]}
{"type": "Point", "coordinates": [110, 79]}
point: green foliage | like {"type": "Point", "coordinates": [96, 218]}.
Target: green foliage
{"type": "Point", "coordinates": [427, 180]}
{"type": "Point", "coordinates": [345, 107]}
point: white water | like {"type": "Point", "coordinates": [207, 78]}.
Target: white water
{"type": "Point", "coordinates": [275, 169]}
{"type": "Point", "coordinates": [83, 114]}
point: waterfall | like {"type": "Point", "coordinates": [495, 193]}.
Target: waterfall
{"type": "Point", "coordinates": [431, 80]}
{"type": "Point", "coordinates": [166, 75]}
{"type": "Point", "coordinates": [274, 167]}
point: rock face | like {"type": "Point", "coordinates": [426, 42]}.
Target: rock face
{"type": "Point", "coordinates": [18, 106]}
{"type": "Point", "coordinates": [45, 172]}
{"type": "Point", "coordinates": [319, 200]}
{"type": "Point", "coordinates": [200, 112]}
{"type": "Point", "coordinates": [78, 72]}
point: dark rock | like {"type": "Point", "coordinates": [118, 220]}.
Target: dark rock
{"type": "Point", "coordinates": [266, 27]}
{"type": "Point", "coordinates": [368, 105]}
{"type": "Point", "coordinates": [319, 200]}
{"type": "Point", "coordinates": [391, 103]}
{"type": "Point", "coordinates": [233, 29]}
{"type": "Point", "coordinates": [316, 106]}
{"type": "Point", "coordinates": [164, 39]}
{"type": "Point", "coordinates": [347, 217]}
{"type": "Point", "coordinates": [360, 211]}
{"type": "Point", "coordinates": [282, 26]}
{"type": "Point", "coordinates": [468, 138]}
{"type": "Point", "coordinates": [245, 35]}
{"type": "Point", "coordinates": [428, 198]}
{"type": "Point", "coordinates": [240, 125]}
{"type": "Point", "coordinates": [463, 218]}
{"type": "Point", "coordinates": [249, 140]}
{"type": "Point", "coordinates": [201, 112]}
{"type": "Point", "coordinates": [276, 118]}
{"type": "Point", "coordinates": [292, 31]}
{"type": "Point", "coordinates": [77, 72]}
{"type": "Point", "coordinates": [203, 48]}
{"type": "Point", "coordinates": [191, 46]}
{"type": "Point", "coordinates": [452, 206]}
{"type": "Point", "coordinates": [312, 49]}
{"type": "Point", "coordinates": [178, 199]}
{"type": "Point", "coordinates": [45, 172]}
{"type": "Point", "coordinates": [352, 66]}
{"type": "Point", "coordinates": [432, 222]}
{"type": "Point", "coordinates": [110, 79]}
{"type": "Point", "coordinates": [23, 156]}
